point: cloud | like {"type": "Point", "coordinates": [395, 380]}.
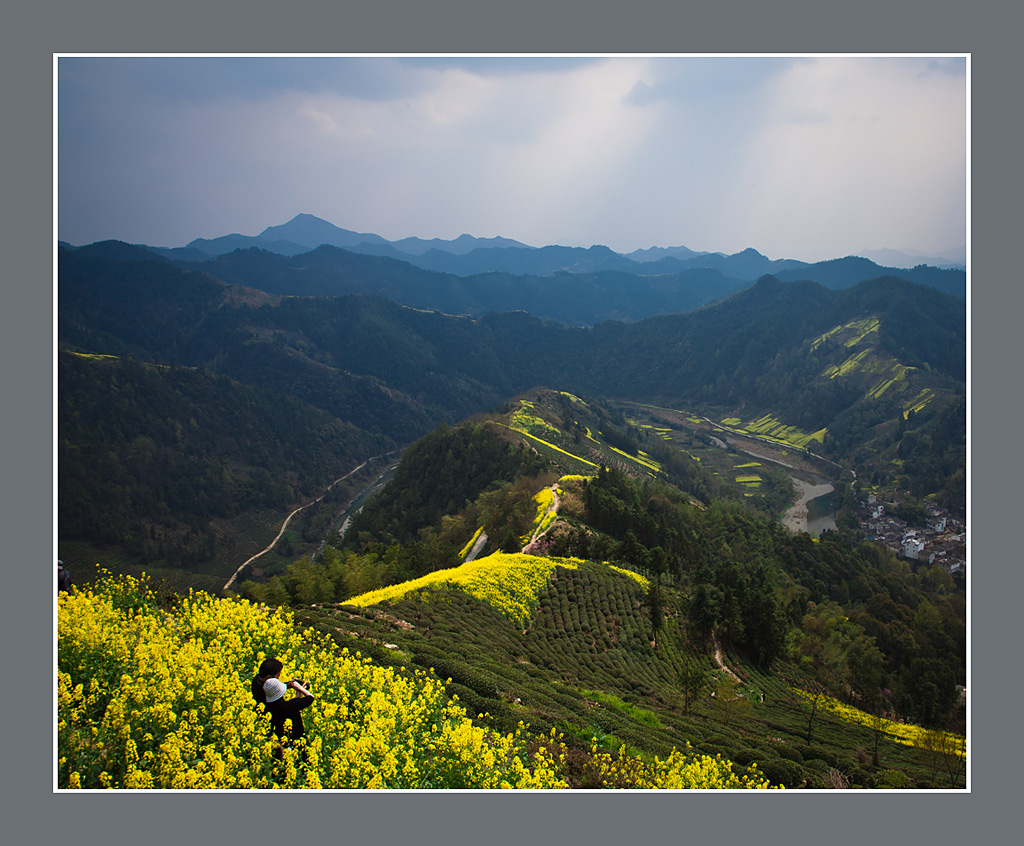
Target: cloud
{"type": "Point", "coordinates": [885, 160]}
{"type": "Point", "coordinates": [792, 156]}
{"type": "Point", "coordinates": [949, 66]}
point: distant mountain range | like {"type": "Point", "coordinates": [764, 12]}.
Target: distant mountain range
{"type": "Point", "coordinates": [955, 260]}
{"type": "Point", "coordinates": [572, 285]}
{"type": "Point", "coordinates": [468, 255]}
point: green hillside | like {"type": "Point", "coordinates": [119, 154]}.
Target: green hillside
{"type": "Point", "coordinates": [585, 664]}
{"type": "Point", "coordinates": [775, 359]}
{"type": "Point", "coordinates": [631, 587]}
{"type": "Point", "coordinates": [639, 601]}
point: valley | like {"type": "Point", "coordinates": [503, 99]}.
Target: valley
{"type": "Point", "coordinates": [598, 530]}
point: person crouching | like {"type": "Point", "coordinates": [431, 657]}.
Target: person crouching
{"type": "Point", "coordinates": [268, 682]}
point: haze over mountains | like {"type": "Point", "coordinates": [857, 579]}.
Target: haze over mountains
{"type": "Point", "coordinates": [573, 285]}
{"type": "Point", "coordinates": [306, 231]}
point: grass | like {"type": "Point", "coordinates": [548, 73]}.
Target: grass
{"type": "Point", "coordinates": [524, 420]}
{"type": "Point", "coordinates": [919, 402]}
{"type": "Point", "coordinates": [849, 366]}
{"type": "Point", "coordinates": [772, 429]}
{"type": "Point", "coordinates": [641, 459]}
{"type": "Point", "coordinates": [858, 330]}
{"type": "Point", "coordinates": [909, 735]}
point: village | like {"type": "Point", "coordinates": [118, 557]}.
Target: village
{"type": "Point", "coordinates": [942, 541]}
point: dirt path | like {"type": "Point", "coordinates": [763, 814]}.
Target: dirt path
{"type": "Point", "coordinates": [720, 657]}
{"type": "Point", "coordinates": [552, 509]}
{"type": "Point", "coordinates": [475, 551]}
{"type": "Point", "coordinates": [287, 520]}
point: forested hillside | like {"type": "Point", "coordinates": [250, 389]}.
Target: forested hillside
{"type": "Point", "coordinates": [868, 373]}
{"type": "Point", "coordinates": [598, 560]}
{"type": "Point", "coordinates": [714, 585]}
{"type": "Point", "coordinates": [153, 459]}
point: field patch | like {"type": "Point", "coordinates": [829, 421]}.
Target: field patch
{"type": "Point", "coordinates": [508, 582]}
{"type": "Point", "coordinates": [905, 733]}
{"type": "Point", "coordinates": [772, 429]}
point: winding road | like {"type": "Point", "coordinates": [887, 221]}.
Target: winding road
{"type": "Point", "coordinates": [287, 520]}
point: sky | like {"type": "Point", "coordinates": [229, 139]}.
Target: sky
{"type": "Point", "coordinates": [805, 157]}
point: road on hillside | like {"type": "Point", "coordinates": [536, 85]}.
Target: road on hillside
{"type": "Point", "coordinates": [288, 519]}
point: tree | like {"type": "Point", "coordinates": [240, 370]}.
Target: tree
{"type": "Point", "coordinates": [275, 592]}
{"type": "Point", "coordinates": [877, 724]}
{"type": "Point", "coordinates": [945, 751]}
{"type": "Point", "coordinates": [954, 747]}
{"type": "Point", "coordinates": [655, 606]}
{"type": "Point", "coordinates": [813, 704]}
{"type": "Point", "coordinates": [927, 690]}
{"type": "Point", "coordinates": [729, 702]}
{"type": "Point", "coordinates": [693, 681]}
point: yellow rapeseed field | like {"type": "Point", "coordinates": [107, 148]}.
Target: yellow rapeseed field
{"type": "Point", "coordinates": [156, 698]}
{"type": "Point", "coordinates": [905, 733]}
{"type": "Point", "coordinates": [509, 582]}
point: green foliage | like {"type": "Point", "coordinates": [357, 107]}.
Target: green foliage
{"type": "Point", "coordinates": [299, 384]}
{"type": "Point", "coordinates": [731, 702]}
{"type": "Point", "coordinates": [438, 476]}
{"type": "Point", "coordinates": [892, 780]}
{"type": "Point", "coordinates": [150, 455]}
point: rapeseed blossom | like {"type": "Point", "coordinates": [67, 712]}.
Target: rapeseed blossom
{"type": "Point", "coordinates": [681, 770]}
{"type": "Point", "coordinates": [469, 544]}
{"type": "Point", "coordinates": [643, 581]}
{"type": "Point", "coordinates": [509, 582]}
{"type": "Point", "coordinates": [149, 698]}
{"type": "Point", "coordinates": [905, 733]}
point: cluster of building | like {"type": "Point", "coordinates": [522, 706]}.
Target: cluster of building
{"type": "Point", "coordinates": [943, 541]}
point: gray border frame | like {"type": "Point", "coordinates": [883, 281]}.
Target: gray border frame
{"type": "Point", "coordinates": [33, 34]}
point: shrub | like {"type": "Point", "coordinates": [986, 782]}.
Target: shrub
{"type": "Point", "coordinates": [781, 771]}
{"type": "Point", "coordinates": [743, 755]}
{"type": "Point", "coordinates": [789, 752]}
{"type": "Point", "coordinates": [862, 777]}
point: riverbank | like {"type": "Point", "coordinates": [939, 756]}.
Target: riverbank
{"type": "Point", "coordinates": [799, 517]}
{"type": "Point", "coordinates": [796, 518]}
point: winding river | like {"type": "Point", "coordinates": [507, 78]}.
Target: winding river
{"type": "Point", "coordinates": [813, 512]}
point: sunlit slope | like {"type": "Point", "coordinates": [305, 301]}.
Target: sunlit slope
{"type": "Point", "coordinates": [862, 362]}
{"type": "Point", "coordinates": [588, 623]}
{"type": "Point", "coordinates": [509, 583]}
{"type": "Point", "coordinates": [582, 623]}
{"type": "Point", "coordinates": [151, 696]}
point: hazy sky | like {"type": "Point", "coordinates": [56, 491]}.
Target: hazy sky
{"type": "Point", "coordinates": [806, 158]}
